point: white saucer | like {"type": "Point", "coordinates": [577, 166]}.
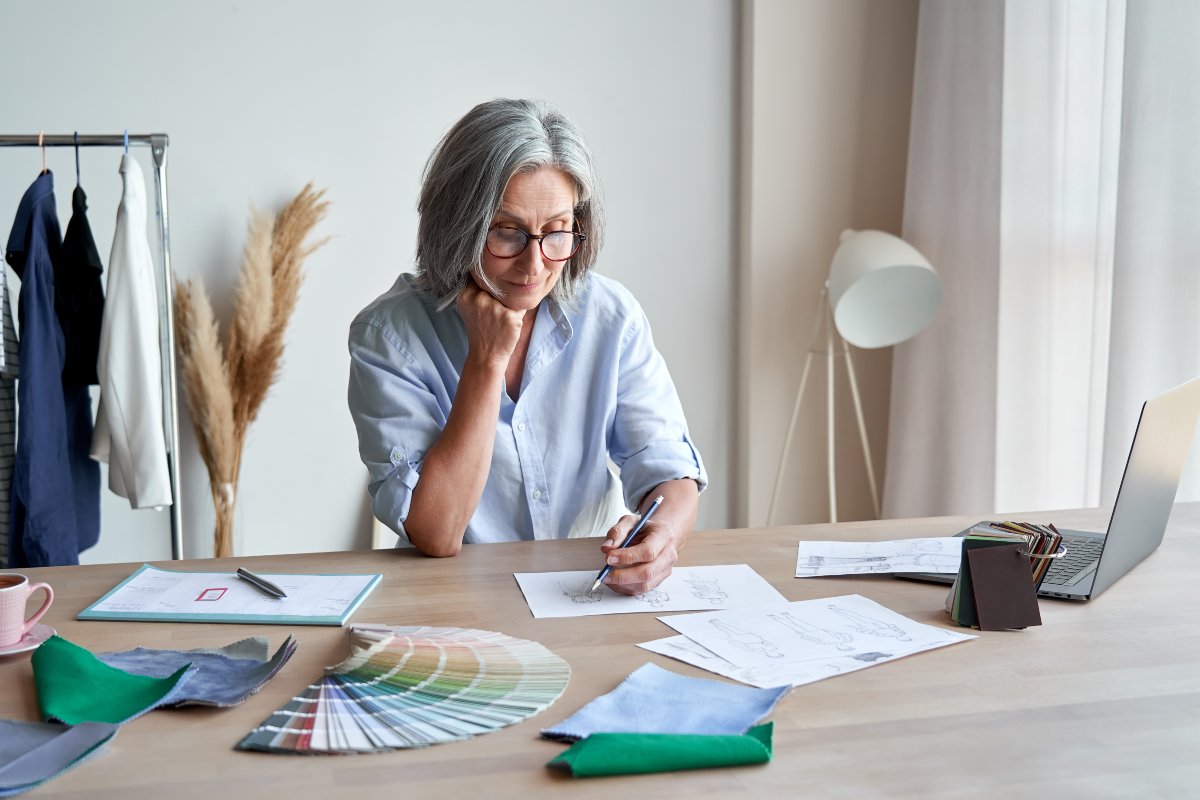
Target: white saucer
{"type": "Point", "coordinates": [37, 634]}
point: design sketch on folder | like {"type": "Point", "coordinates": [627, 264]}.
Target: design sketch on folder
{"type": "Point", "coordinates": [161, 595]}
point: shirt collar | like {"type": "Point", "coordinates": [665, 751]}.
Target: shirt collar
{"type": "Point", "coordinates": [18, 239]}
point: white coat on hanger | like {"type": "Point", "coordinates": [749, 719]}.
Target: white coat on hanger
{"type": "Point", "coordinates": [129, 421]}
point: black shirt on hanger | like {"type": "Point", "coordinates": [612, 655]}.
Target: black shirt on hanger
{"type": "Point", "coordinates": [79, 296]}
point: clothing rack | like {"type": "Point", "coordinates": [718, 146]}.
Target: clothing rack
{"type": "Point", "coordinates": [157, 142]}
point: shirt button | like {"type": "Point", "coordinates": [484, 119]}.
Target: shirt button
{"type": "Point", "coordinates": [537, 493]}
{"type": "Point", "coordinates": [521, 427]}
{"type": "Point", "coordinates": [398, 455]}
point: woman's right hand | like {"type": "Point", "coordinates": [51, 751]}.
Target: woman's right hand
{"type": "Point", "coordinates": [493, 329]}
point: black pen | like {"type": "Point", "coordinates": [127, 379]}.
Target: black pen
{"type": "Point", "coordinates": [629, 539]}
{"type": "Point", "coordinates": [262, 584]}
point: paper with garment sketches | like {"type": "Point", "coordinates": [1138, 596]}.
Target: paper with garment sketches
{"type": "Point", "coordinates": [568, 594]}
{"type": "Point", "coordinates": [801, 642]}
{"type": "Point", "coordinates": [153, 594]}
{"type": "Point", "coordinates": [941, 554]}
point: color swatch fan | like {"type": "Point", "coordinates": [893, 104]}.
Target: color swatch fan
{"type": "Point", "coordinates": [412, 686]}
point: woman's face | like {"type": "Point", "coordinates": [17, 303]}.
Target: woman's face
{"type": "Point", "coordinates": [537, 203]}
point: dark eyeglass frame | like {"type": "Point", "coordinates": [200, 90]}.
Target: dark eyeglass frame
{"type": "Point", "coordinates": [579, 240]}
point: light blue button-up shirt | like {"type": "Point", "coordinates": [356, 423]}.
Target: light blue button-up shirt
{"type": "Point", "coordinates": [595, 391]}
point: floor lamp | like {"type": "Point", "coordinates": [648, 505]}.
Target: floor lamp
{"type": "Point", "coordinates": [880, 292]}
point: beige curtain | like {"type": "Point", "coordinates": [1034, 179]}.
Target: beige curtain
{"type": "Point", "coordinates": [1054, 182]}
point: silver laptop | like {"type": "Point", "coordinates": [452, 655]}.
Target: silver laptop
{"type": "Point", "coordinates": [1095, 561]}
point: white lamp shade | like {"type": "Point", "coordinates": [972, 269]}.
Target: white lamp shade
{"type": "Point", "coordinates": [882, 291]}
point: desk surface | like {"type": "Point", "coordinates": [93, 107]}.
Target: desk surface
{"type": "Point", "coordinates": [1103, 698]}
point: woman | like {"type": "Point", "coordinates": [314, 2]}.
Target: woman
{"type": "Point", "coordinates": [492, 389]}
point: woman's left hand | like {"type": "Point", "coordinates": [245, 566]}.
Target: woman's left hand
{"type": "Point", "coordinates": [644, 564]}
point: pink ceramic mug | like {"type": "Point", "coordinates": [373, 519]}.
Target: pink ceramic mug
{"type": "Point", "coordinates": [14, 595]}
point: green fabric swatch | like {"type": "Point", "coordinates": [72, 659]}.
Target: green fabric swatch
{"type": "Point", "coordinates": [630, 753]}
{"type": "Point", "coordinates": [74, 686]}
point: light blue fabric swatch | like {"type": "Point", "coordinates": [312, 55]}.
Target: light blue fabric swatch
{"type": "Point", "coordinates": [655, 700]}
{"type": "Point", "coordinates": [218, 679]}
{"type": "Point", "coordinates": [34, 752]}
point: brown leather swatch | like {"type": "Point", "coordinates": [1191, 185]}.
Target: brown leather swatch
{"type": "Point", "coordinates": [1004, 593]}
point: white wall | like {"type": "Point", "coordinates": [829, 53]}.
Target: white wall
{"type": "Point", "coordinates": [261, 97]}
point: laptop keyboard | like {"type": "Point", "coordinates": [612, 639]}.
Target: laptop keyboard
{"type": "Point", "coordinates": [1081, 553]}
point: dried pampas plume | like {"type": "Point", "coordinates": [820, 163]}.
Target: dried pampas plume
{"type": "Point", "coordinates": [226, 388]}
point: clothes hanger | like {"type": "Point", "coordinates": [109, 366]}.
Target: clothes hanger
{"type": "Point", "coordinates": [76, 158]}
{"type": "Point", "coordinates": [42, 145]}
{"type": "Point", "coordinates": [127, 141]}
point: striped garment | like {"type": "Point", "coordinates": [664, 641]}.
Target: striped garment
{"type": "Point", "coordinates": [9, 363]}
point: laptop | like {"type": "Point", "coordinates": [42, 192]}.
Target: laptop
{"type": "Point", "coordinates": [1095, 561]}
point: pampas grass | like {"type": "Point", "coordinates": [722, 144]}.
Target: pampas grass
{"type": "Point", "coordinates": [226, 387]}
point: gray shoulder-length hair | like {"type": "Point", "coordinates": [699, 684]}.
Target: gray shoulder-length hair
{"type": "Point", "coordinates": [465, 179]}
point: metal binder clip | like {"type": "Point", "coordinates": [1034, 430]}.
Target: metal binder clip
{"type": "Point", "coordinates": [1059, 553]}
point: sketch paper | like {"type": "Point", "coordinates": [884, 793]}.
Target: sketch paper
{"type": "Point", "coordinates": [941, 554]}
{"type": "Point", "coordinates": [155, 594]}
{"type": "Point", "coordinates": [801, 642]}
{"type": "Point", "coordinates": [567, 594]}
{"type": "Point", "coordinates": [681, 648]}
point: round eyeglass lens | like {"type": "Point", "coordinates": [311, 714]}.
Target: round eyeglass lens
{"type": "Point", "coordinates": [559, 246]}
{"type": "Point", "coordinates": [506, 242]}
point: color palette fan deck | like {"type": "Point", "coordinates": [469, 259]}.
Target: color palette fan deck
{"type": "Point", "coordinates": [413, 686]}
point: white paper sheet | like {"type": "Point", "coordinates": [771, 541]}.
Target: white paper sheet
{"type": "Point", "coordinates": [941, 554]}
{"type": "Point", "coordinates": [566, 594]}
{"type": "Point", "coordinates": [801, 642]}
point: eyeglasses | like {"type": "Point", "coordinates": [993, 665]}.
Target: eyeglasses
{"type": "Point", "coordinates": [511, 242]}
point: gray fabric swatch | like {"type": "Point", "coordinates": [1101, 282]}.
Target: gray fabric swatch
{"type": "Point", "coordinates": [218, 680]}
{"type": "Point", "coordinates": [33, 752]}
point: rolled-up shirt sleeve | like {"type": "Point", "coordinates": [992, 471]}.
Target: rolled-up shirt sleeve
{"type": "Point", "coordinates": [397, 416]}
{"type": "Point", "coordinates": [649, 439]}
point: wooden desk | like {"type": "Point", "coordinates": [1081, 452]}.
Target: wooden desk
{"type": "Point", "coordinates": [1103, 699]}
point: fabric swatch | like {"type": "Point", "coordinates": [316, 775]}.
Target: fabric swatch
{"type": "Point", "coordinates": [74, 686]}
{"type": "Point", "coordinates": [255, 648]}
{"type": "Point", "coordinates": [219, 679]}
{"type": "Point", "coordinates": [655, 700]}
{"type": "Point", "coordinates": [34, 752]}
{"type": "Point", "coordinates": [635, 753]}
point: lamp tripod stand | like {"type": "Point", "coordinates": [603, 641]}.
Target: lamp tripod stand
{"type": "Point", "coordinates": [834, 347]}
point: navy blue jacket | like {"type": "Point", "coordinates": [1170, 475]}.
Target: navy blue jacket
{"type": "Point", "coordinates": [56, 486]}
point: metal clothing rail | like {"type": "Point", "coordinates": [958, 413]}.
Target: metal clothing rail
{"type": "Point", "coordinates": [157, 142]}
